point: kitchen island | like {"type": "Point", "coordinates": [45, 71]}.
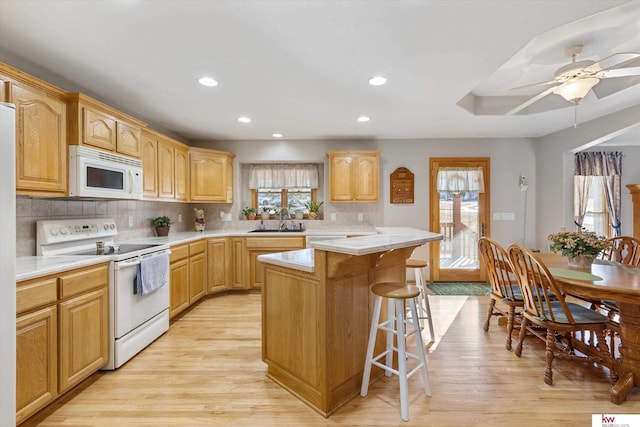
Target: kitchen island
{"type": "Point", "coordinates": [316, 312]}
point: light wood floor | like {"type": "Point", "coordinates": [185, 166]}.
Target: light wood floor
{"type": "Point", "coordinates": [207, 371]}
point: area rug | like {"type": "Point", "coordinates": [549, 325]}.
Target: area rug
{"type": "Point", "coordinates": [459, 288]}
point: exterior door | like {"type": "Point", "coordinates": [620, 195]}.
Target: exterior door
{"type": "Point", "coordinates": [460, 215]}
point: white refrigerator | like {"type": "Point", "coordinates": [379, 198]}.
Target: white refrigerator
{"type": "Point", "coordinates": [7, 265]}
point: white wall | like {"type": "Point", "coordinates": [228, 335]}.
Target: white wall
{"type": "Point", "coordinates": [554, 170]}
{"type": "Point", "coordinates": [510, 158]}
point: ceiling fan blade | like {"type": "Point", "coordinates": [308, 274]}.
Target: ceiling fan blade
{"type": "Point", "coordinates": [531, 101]}
{"type": "Point", "coordinates": [619, 72]}
{"type": "Point", "coordinates": [548, 82]}
{"type": "Point", "coordinates": [612, 61]}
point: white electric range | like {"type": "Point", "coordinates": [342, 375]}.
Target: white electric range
{"type": "Point", "coordinates": [134, 320]}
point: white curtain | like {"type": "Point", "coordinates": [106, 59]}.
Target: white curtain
{"type": "Point", "coordinates": [581, 186]}
{"type": "Point", "coordinates": [279, 176]}
{"type": "Point", "coordinates": [460, 180]}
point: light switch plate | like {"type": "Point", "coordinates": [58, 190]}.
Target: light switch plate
{"type": "Point", "coordinates": [333, 216]}
{"type": "Point", "coordinates": [130, 220]}
{"type": "Point", "coordinates": [360, 216]}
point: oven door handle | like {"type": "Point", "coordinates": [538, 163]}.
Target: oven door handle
{"type": "Point", "coordinates": [123, 265]}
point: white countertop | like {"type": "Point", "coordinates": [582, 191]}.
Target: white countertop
{"type": "Point", "coordinates": [392, 238]}
{"type": "Point", "coordinates": [30, 267]}
{"type": "Point", "coordinates": [301, 259]}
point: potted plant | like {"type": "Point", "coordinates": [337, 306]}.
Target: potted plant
{"type": "Point", "coordinates": [265, 212]}
{"type": "Point", "coordinates": [249, 212]}
{"type": "Point", "coordinates": [313, 207]}
{"type": "Point", "coordinates": [580, 247]}
{"type": "Point", "coordinates": [162, 225]}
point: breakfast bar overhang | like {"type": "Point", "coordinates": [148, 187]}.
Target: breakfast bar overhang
{"type": "Point", "coordinates": [316, 311]}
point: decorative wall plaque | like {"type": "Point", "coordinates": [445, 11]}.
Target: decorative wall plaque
{"type": "Point", "coordinates": [401, 186]}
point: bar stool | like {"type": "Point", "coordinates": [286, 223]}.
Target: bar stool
{"type": "Point", "coordinates": [424, 308]}
{"type": "Point", "coordinates": [395, 324]}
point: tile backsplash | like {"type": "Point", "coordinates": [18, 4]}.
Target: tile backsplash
{"type": "Point", "coordinates": [30, 210]}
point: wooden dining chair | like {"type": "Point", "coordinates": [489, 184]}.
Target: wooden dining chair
{"type": "Point", "coordinates": [546, 307]}
{"type": "Point", "coordinates": [624, 249]}
{"type": "Point", "coordinates": [504, 285]}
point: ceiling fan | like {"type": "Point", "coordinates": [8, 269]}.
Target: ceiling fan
{"type": "Point", "coordinates": [573, 81]}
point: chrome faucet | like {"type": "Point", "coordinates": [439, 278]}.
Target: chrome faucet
{"type": "Point", "coordinates": [281, 224]}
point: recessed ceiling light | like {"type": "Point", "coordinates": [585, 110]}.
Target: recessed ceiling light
{"type": "Point", "coordinates": [363, 119]}
{"type": "Point", "coordinates": [207, 81]}
{"type": "Point", "coordinates": [277, 135]}
{"type": "Point", "coordinates": [244, 119]}
{"type": "Point", "coordinates": [377, 81]}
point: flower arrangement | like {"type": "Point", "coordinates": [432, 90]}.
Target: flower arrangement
{"type": "Point", "coordinates": [578, 243]}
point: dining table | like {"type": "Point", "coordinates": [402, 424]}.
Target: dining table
{"type": "Point", "coordinates": [608, 280]}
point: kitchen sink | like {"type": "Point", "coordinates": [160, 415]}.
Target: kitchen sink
{"type": "Point", "coordinates": [274, 230]}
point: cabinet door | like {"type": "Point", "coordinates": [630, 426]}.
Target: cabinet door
{"type": "Point", "coordinates": [341, 178]}
{"type": "Point", "coordinates": [98, 129]}
{"type": "Point", "coordinates": [208, 176]}
{"type": "Point", "coordinates": [366, 178]}
{"type": "Point", "coordinates": [129, 140]}
{"type": "Point", "coordinates": [237, 262]}
{"type": "Point", "coordinates": [197, 276]}
{"type": "Point", "coordinates": [36, 361]}
{"type": "Point", "coordinates": [218, 265]}
{"type": "Point", "coordinates": [149, 166]}
{"type": "Point", "coordinates": [181, 172]}
{"type": "Point", "coordinates": [165, 170]}
{"type": "Point", "coordinates": [41, 144]}
{"type": "Point", "coordinates": [179, 284]}
{"type": "Point", "coordinates": [84, 335]}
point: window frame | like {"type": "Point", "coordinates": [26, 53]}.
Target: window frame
{"type": "Point", "coordinates": [284, 194]}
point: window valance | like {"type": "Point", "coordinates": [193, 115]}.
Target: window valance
{"type": "Point", "coordinates": [283, 176]}
{"type": "Point", "coordinates": [460, 180]}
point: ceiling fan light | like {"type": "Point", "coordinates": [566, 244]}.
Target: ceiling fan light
{"type": "Point", "coordinates": [575, 89]}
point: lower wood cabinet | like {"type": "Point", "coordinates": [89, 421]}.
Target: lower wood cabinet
{"type": "Point", "coordinates": [197, 270]}
{"type": "Point", "coordinates": [81, 321]}
{"type": "Point", "coordinates": [188, 270]}
{"type": "Point", "coordinates": [36, 361]}
{"type": "Point", "coordinates": [219, 264]}
{"type": "Point", "coordinates": [62, 333]}
{"type": "Point", "coordinates": [256, 246]}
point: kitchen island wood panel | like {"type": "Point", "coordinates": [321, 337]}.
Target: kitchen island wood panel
{"type": "Point", "coordinates": [315, 324]}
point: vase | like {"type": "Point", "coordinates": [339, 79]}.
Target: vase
{"type": "Point", "coordinates": [313, 215]}
{"type": "Point", "coordinates": [265, 215]}
{"type": "Point", "coordinates": [581, 261]}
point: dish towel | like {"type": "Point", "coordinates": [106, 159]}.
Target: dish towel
{"type": "Point", "coordinates": [152, 273]}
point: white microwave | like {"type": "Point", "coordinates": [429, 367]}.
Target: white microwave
{"type": "Point", "coordinates": [100, 174]}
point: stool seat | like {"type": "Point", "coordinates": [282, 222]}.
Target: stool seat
{"type": "Point", "coordinates": [395, 290]}
{"type": "Point", "coordinates": [398, 326]}
{"type": "Point", "coordinates": [416, 263]}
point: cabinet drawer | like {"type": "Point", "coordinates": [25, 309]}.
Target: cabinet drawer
{"type": "Point", "coordinates": [197, 247]}
{"type": "Point", "coordinates": [179, 252]}
{"type": "Point", "coordinates": [36, 293]}
{"type": "Point", "coordinates": [275, 242]}
{"type": "Point", "coordinates": [81, 280]}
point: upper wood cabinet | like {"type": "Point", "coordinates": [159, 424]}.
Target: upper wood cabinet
{"type": "Point", "coordinates": [181, 172]}
{"type": "Point", "coordinates": [98, 125]}
{"type": "Point", "coordinates": [210, 176]}
{"type": "Point", "coordinates": [354, 176]}
{"type": "Point", "coordinates": [165, 167]}
{"type": "Point", "coordinates": [41, 134]}
{"type": "Point", "coordinates": [149, 157]}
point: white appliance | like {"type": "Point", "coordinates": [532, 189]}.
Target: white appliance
{"type": "Point", "coordinates": [8, 264]}
{"type": "Point", "coordinates": [135, 321]}
{"type": "Point", "coordinates": [100, 174]}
